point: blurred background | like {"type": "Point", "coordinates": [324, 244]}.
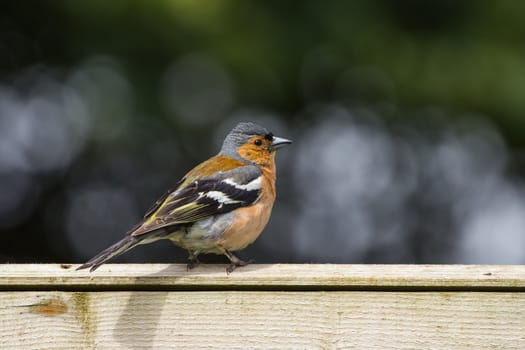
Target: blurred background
{"type": "Point", "coordinates": [408, 119]}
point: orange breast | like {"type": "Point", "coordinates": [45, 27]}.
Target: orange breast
{"type": "Point", "coordinates": [249, 222]}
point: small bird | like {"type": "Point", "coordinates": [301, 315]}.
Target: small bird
{"type": "Point", "coordinates": [220, 206]}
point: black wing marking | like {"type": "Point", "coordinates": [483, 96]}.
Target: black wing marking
{"type": "Point", "coordinates": [218, 194]}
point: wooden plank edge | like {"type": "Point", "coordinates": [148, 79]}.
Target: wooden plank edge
{"type": "Point", "coordinates": [298, 277]}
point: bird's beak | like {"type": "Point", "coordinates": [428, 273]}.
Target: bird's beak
{"type": "Point", "coordinates": [279, 142]}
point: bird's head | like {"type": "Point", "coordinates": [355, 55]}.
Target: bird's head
{"type": "Point", "coordinates": [252, 143]}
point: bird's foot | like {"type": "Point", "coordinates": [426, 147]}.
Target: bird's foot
{"type": "Point", "coordinates": [233, 266]}
{"type": "Point", "coordinates": [194, 262]}
{"type": "Point", "coordinates": [235, 262]}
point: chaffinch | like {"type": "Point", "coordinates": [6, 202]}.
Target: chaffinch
{"type": "Point", "coordinates": [220, 206]}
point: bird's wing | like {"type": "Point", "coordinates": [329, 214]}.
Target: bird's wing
{"type": "Point", "coordinates": [159, 201]}
{"type": "Point", "coordinates": [205, 169]}
{"type": "Point", "coordinates": [203, 197]}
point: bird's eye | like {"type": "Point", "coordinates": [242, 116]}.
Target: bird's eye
{"type": "Point", "coordinates": [257, 142]}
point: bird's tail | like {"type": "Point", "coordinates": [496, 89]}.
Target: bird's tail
{"type": "Point", "coordinates": [116, 249]}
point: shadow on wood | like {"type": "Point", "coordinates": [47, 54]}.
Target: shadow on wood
{"type": "Point", "coordinates": [263, 307]}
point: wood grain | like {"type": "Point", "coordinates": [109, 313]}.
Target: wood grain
{"type": "Point", "coordinates": [263, 307]}
{"type": "Point", "coordinates": [265, 320]}
{"type": "Point", "coordinates": [263, 277]}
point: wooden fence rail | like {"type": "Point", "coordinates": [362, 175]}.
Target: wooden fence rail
{"type": "Point", "coordinates": [156, 306]}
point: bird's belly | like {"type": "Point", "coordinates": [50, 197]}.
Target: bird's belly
{"type": "Point", "coordinates": [231, 231]}
{"type": "Point", "coordinates": [245, 227]}
{"type": "Point", "coordinates": [203, 235]}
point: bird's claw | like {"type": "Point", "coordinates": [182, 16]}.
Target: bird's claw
{"type": "Point", "coordinates": [238, 263]}
{"type": "Point", "coordinates": [192, 264]}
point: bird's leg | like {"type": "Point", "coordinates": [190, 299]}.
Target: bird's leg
{"type": "Point", "coordinates": [194, 261]}
{"type": "Point", "coordinates": [235, 262]}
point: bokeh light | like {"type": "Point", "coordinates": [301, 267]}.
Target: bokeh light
{"type": "Point", "coordinates": [407, 121]}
